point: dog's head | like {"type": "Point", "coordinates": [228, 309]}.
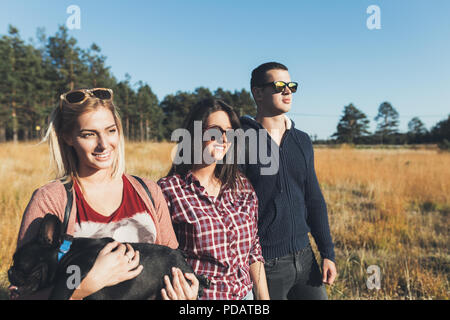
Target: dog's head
{"type": "Point", "coordinates": [35, 263]}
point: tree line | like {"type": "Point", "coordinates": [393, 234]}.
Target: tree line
{"type": "Point", "coordinates": [353, 127]}
{"type": "Point", "coordinates": [36, 73]}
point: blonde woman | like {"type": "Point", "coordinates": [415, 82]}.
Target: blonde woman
{"type": "Point", "coordinates": [87, 147]}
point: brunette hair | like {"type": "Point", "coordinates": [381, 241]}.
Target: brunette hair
{"type": "Point", "coordinates": [227, 173]}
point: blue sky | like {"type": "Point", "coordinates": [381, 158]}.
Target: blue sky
{"type": "Point", "coordinates": [180, 45]}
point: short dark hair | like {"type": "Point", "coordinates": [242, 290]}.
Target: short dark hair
{"type": "Point", "coordinates": [259, 73]}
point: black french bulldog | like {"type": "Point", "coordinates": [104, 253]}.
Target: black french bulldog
{"type": "Point", "coordinates": [36, 266]}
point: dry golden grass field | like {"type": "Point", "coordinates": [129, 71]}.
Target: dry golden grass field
{"type": "Point", "coordinates": [387, 208]}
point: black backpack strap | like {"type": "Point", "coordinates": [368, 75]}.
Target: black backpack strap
{"type": "Point", "coordinates": [68, 187]}
{"type": "Point", "coordinates": [146, 189]}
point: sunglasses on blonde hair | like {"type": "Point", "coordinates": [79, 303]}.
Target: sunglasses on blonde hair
{"type": "Point", "coordinates": [80, 95]}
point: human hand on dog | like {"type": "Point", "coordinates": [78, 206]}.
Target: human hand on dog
{"type": "Point", "coordinates": [181, 289]}
{"type": "Point", "coordinates": [115, 263]}
{"type": "Point", "coordinates": [13, 292]}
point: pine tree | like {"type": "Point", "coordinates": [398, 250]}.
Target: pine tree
{"type": "Point", "coordinates": [4, 103]}
{"type": "Point", "coordinates": [352, 126]}
{"type": "Point", "coordinates": [148, 110]}
{"type": "Point", "coordinates": [241, 101]}
{"type": "Point", "coordinates": [177, 106]}
{"type": "Point", "coordinates": [65, 57]}
{"type": "Point", "coordinates": [441, 130]}
{"type": "Point", "coordinates": [14, 82]}
{"type": "Point", "coordinates": [416, 131]}
{"type": "Point", "coordinates": [98, 75]}
{"type": "Point", "coordinates": [387, 118]}
{"type": "Point", "coordinates": [244, 103]}
{"type": "Point", "coordinates": [124, 99]}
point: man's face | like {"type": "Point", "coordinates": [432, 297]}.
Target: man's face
{"type": "Point", "coordinates": [268, 100]}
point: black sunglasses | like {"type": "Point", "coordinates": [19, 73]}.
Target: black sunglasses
{"type": "Point", "coordinates": [79, 96]}
{"type": "Point", "coordinates": [279, 86]}
{"type": "Point", "coordinates": [216, 129]}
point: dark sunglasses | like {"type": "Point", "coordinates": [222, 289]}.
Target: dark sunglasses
{"type": "Point", "coordinates": [214, 130]}
{"type": "Point", "coordinates": [80, 95]}
{"type": "Point", "coordinates": [279, 86]}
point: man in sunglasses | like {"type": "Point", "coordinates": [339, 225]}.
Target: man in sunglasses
{"type": "Point", "coordinates": [291, 203]}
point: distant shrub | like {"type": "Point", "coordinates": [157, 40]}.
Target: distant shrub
{"type": "Point", "coordinates": [444, 145]}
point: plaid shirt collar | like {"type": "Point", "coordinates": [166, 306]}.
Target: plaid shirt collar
{"type": "Point", "coordinates": [223, 251]}
{"type": "Point", "coordinates": [189, 181]}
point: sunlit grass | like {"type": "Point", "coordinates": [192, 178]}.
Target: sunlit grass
{"type": "Point", "coordinates": [386, 207]}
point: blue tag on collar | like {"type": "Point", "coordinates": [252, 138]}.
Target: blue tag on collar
{"type": "Point", "coordinates": [64, 248]}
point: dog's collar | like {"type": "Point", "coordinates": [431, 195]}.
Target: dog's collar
{"type": "Point", "coordinates": [64, 248]}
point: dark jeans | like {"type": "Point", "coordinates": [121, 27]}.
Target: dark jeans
{"type": "Point", "coordinates": [295, 277]}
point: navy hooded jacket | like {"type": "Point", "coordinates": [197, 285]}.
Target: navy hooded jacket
{"type": "Point", "coordinates": [290, 201]}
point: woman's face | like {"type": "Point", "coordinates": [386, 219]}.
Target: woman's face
{"type": "Point", "coordinates": [217, 123]}
{"type": "Point", "coordinates": [95, 139]}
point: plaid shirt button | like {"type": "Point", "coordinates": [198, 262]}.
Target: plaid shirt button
{"type": "Point", "coordinates": [220, 237]}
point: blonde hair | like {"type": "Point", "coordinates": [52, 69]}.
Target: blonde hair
{"type": "Point", "coordinates": [62, 121]}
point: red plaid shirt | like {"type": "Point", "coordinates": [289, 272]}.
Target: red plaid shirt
{"type": "Point", "coordinates": [218, 234]}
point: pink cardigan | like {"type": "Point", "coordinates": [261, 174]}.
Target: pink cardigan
{"type": "Point", "coordinates": [52, 198]}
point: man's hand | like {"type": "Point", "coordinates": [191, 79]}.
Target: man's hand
{"type": "Point", "coordinates": [329, 271]}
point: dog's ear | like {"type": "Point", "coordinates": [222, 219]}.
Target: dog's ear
{"type": "Point", "coordinates": [50, 230]}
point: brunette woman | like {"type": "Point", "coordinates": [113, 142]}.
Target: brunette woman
{"type": "Point", "coordinates": [214, 207]}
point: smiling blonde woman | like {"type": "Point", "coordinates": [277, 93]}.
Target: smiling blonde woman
{"type": "Point", "coordinates": [87, 147]}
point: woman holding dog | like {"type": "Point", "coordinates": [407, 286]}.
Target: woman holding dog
{"type": "Point", "coordinates": [87, 146]}
{"type": "Point", "coordinates": [214, 207]}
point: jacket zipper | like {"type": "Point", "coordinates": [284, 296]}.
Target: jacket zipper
{"type": "Point", "coordinates": [287, 190]}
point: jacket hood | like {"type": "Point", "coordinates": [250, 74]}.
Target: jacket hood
{"type": "Point", "coordinates": [250, 122]}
